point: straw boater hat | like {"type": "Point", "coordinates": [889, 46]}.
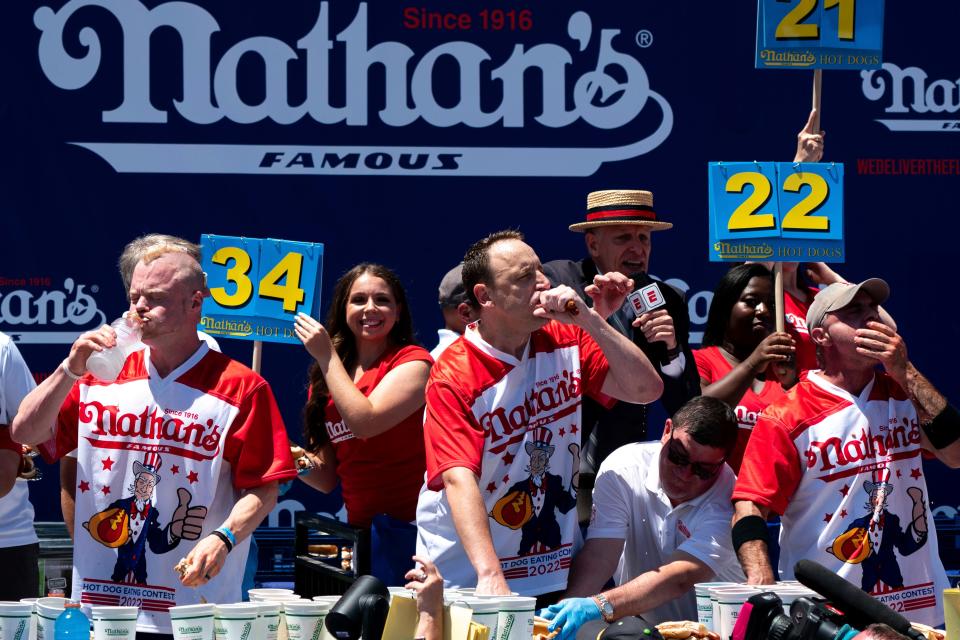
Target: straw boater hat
{"type": "Point", "coordinates": [620, 206]}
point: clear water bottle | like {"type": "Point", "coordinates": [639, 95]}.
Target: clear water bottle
{"type": "Point", "coordinates": [108, 363]}
{"type": "Point", "coordinates": [72, 624]}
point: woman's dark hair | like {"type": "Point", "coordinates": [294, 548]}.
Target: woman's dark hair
{"type": "Point", "coordinates": [726, 294]}
{"type": "Point", "coordinates": [345, 344]}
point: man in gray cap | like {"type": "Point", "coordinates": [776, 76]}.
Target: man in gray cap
{"type": "Point", "coordinates": [456, 309]}
{"type": "Point", "coordinates": [840, 459]}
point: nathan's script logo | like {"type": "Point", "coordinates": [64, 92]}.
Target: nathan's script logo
{"type": "Point", "coordinates": [589, 79]}
{"type": "Point", "coordinates": [51, 315]}
{"type": "Point", "coordinates": [910, 92]}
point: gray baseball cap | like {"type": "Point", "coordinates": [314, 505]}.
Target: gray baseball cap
{"type": "Point", "coordinates": [840, 294]}
{"type": "Point", "coordinates": [452, 292]}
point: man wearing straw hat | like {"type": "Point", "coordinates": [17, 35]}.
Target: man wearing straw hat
{"type": "Point", "coordinates": [618, 232]}
{"type": "Point", "coordinates": [502, 420]}
{"type": "Point", "coordinates": [842, 427]}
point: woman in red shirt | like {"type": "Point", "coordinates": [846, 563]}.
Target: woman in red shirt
{"type": "Point", "coordinates": [364, 418]}
{"type": "Point", "coordinates": [743, 361]}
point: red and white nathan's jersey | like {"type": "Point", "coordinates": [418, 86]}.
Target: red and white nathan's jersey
{"type": "Point", "coordinates": [845, 471]}
{"type": "Point", "coordinates": [149, 449]}
{"type": "Point", "coordinates": [515, 423]}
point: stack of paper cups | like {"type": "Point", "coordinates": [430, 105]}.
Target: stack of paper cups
{"type": "Point", "coordinates": [704, 604]}
{"type": "Point", "coordinates": [486, 611]}
{"type": "Point", "coordinates": [235, 621]}
{"type": "Point", "coordinates": [33, 616]}
{"type": "Point", "coordinates": [515, 618]}
{"type": "Point", "coordinates": [259, 595]}
{"type": "Point", "coordinates": [48, 610]}
{"type": "Point", "coordinates": [192, 622]}
{"type": "Point", "coordinates": [15, 620]}
{"type": "Point", "coordinates": [728, 600]}
{"type": "Point", "coordinates": [114, 623]}
{"type": "Point", "coordinates": [269, 618]}
{"type": "Point", "coordinates": [304, 619]}
{"type": "Point", "coordinates": [951, 610]}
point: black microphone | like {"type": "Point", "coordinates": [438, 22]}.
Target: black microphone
{"type": "Point", "coordinates": [860, 608]}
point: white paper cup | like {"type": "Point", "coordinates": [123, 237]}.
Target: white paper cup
{"type": "Point", "coordinates": [269, 592]}
{"type": "Point", "coordinates": [192, 622]}
{"type": "Point", "coordinates": [235, 621]}
{"type": "Point", "coordinates": [114, 623]}
{"type": "Point", "coordinates": [15, 620]}
{"type": "Point", "coordinates": [269, 619]}
{"type": "Point", "coordinates": [788, 595]}
{"type": "Point", "coordinates": [33, 616]}
{"type": "Point", "coordinates": [704, 604]}
{"type": "Point", "coordinates": [515, 618]}
{"type": "Point", "coordinates": [304, 618]}
{"type": "Point", "coordinates": [486, 611]}
{"type": "Point", "coordinates": [729, 603]}
{"type": "Point", "coordinates": [48, 610]}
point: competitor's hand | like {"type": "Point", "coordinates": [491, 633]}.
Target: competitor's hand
{"type": "Point", "coordinates": [206, 561]}
{"type": "Point", "coordinates": [558, 304]}
{"type": "Point", "coordinates": [493, 586]}
{"type": "Point", "coordinates": [87, 344]}
{"type": "Point", "coordinates": [314, 337]}
{"type": "Point", "coordinates": [187, 521]}
{"type": "Point", "coordinates": [569, 615]}
{"type": "Point", "coordinates": [778, 347]}
{"type": "Point", "coordinates": [427, 583]}
{"type": "Point", "coordinates": [608, 292]}
{"type": "Point", "coordinates": [809, 142]}
{"type": "Point", "coordinates": [657, 326]}
{"type": "Point", "coordinates": [882, 343]}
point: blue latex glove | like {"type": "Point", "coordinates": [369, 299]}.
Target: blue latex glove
{"type": "Point", "coordinates": [570, 614]}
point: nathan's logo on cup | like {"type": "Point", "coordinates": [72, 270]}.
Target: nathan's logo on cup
{"type": "Point", "coordinates": [21, 628]}
{"type": "Point", "coordinates": [34, 310]}
{"type": "Point", "coordinates": [581, 74]}
{"type": "Point", "coordinates": [189, 629]}
{"type": "Point", "coordinates": [908, 93]}
{"type": "Point", "coordinates": [246, 631]}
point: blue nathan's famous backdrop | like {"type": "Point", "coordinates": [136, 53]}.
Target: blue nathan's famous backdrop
{"type": "Point", "coordinates": [400, 133]}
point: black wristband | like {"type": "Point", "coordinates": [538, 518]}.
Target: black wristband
{"type": "Point", "coordinates": [943, 430]}
{"type": "Point", "coordinates": [671, 354]}
{"type": "Point", "coordinates": [747, 529]}
{"type": "Point", "coordinates": [225, 540]}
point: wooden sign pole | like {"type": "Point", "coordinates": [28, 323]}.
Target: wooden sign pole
{"type": "Point", "coordinates": [257, 355]}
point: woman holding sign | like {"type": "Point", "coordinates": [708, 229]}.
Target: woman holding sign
{"type": "Point", "coordinates": [743, 361]}
{"type": "Point", "coordinates": [363, 420]}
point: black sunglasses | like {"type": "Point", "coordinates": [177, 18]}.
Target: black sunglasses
{"type": "Point", "coordinates": [677, 454]}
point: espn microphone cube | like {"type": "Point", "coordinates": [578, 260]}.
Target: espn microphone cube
{"type": "Point", "coordinates": [646, 299]}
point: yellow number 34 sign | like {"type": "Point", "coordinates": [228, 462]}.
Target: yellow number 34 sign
{"type": "Point", "coordinates": [781, 212]}
{"type": "Point", "coordinates": [258, 286]}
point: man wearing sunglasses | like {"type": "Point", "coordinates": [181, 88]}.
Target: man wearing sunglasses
{"type": "Point", "coordinates": [661, 513]}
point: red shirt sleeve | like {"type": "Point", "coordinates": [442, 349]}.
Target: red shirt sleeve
{"type": "Point", "coordinates": [704, 367]}
{"type": "Point", "coordinates": [452, 435]}
{"type": "Point", "coordinates": [593, 370]}
{"type": "Point", "coordinates": [65, 439]}
{"type": "Point", "coordinates": [770, 471]}
{"type": "Point", "coordinates": [410, 353]}
{"type": "Point", "coordinates": [257, 446]}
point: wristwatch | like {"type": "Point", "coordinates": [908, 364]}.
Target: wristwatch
{"type": "Point", "coordinates": [606, 609]}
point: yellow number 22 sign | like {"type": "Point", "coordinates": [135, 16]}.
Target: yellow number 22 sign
{"type": "Point", "coordinates": [784, 212]}
{"type": "Point", "coordinates": [258, 286]}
